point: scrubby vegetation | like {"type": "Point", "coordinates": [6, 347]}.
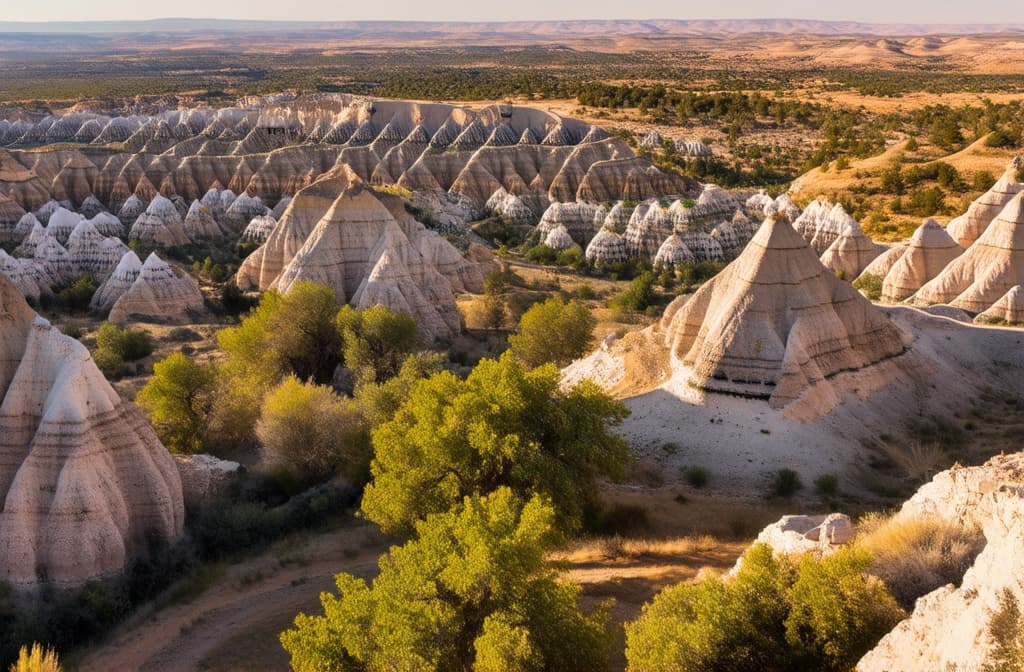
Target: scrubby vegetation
{"type": "Point", "coordinates": [116, 347]}
{"type": "Point", "coordinates": [775, 614]}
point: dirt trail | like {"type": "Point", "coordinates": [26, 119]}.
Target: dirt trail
{"type": "Point", "coordinates": [234, 624]}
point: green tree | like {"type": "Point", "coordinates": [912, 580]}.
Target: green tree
{"type": "Point", "coordinates": [501, 426]}
{"type": "Point", "coordinates": [639, 295]}
{"type": "Point", "coordinates": [553, 332]}
{"type": "Point", "coordinates": [179, 400]}
{"type": "Point", "coordinates": [776, 614]}
{"type": "Point", "coordinates": [128, 344]}
{"type": "Point", "coordinates": [472, 592]}
{"type": "Point", "coordinates": [379, 401]}
{"type": "Point", "coordinates": [375, 341]}
{"type": "Point", "coordinates": [309, 429]}
{"type": "Point", "coordinates": [78, 295]}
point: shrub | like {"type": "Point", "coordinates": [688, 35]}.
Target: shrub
{"type": "Point", "coordinates": [311, 430]}
{"type": "Point", "coordinates": [1006, 628]}
{"type": "Point", "coordinates": [129, 344]}
{"type": "Point", "coordinates": [541, 254]}
{"type": "Point", "coordinates": [585, 293]}
{"type": "Point", "coordinates": [77, 297]}
{"type": "Point", "coordinates": [983, 181]}
{"type": "Point", "coordinates": [109, 362]}
{"type": "Point", "coordinates": [826, 485]}
{"type": "Point", "coordinates": [1000, 138]}
{"type": "Point", "coordinates": [696, 476]}
{"type": "Point", "coordinates": [776, 614]}
{"type": "Point", "coordinates": [639, 295]}
{"type": "Point", "coordinates": [785, 483]}
{"type": "Point", "coordinates": [36, 659]}
{"type": "Point", "coordinates": [870, 284]}
{"type": "Point", "coordinates": [553, 331]}
{"type": "Point", "coordinates": [916, 556]}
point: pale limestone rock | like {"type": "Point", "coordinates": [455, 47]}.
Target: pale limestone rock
{"type": "Point", "coordinates": [969, 226]}
{"type": "Point", "coordinates": [160, 225]}
{"type": "Point", "coordinates": [120, 281]}
{"type": "Point", "coordinates": [83, 478]}
{"type": "Point", "coordinates": [948, 629]}
{"type": "Point", "coordinates": [673, 253]}
{"type": "Point", "coordinates": [199, 222]}
{"type": "Point", "coordinates": [607, 247]}
{"type": "Point", "coordinates": [929, 251]}
{"type": "Point", "coordinates": [258, 229]}
{"type": "Point", "coordinates": [851, 252]}
{"type": "Point", "coordinates": [775, 323]}
{"type": "Point", "coordinates": [206, 479]}
{"type": "Point", "coordinates": [158, 295]}
{"type": "Point", "coordinates": [1007, 310]}
{"type": "Point", "coordinates": [988, 269]}
{"type": "Point", "coordinates": [559, 239]}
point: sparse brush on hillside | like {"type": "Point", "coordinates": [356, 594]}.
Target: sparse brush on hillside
{"type": "Point", "coordinates": [916, 556]}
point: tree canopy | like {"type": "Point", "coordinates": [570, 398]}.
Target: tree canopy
{"type": "Point", "coordinates": [375, 341]}
{"type": "Point", "coordinates": [501, 426]}
{"type": "Point", "coordinates": [553, 331]}
{"type": "Point", "coordinates": [472, 592]}
{"type": "Point", "coordinates": [179, 401]}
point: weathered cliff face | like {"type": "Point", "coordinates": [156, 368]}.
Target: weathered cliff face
{"type": "Point", "coordinates": [948, 629]}
{"type": "Point", "coordinates": [83, 477]}
{"type": "Point", "coordinates": [274, 149]}
{"type": "Point", "coordinates": [369, 249]}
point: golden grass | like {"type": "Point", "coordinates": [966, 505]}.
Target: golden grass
{"type": "Point", "coordinates": [617, 546]}
{"type": "Point", "coordinates": [914, 556]}
{"type": "Point", "coordinates": [36, 659]}
{"type": "Point", "coordinates": [918, 462]}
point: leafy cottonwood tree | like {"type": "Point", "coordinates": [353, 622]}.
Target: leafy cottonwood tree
{"type": "Point", "coordinates": [375, 341]}
{"type": "Point", "coordinates": [179, 401]}
{"type": "Point", "coordinates": [472, 592]}
{"type": "Point", "coordinates": [553, 332]}
{"type": "Point", "coordinates": [502, 426]}
{"type": "Point", "coordinates": [310, 429]}
{"type": "Point", "coordinates": [776, 614]}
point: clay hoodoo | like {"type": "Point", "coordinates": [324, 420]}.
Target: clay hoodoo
{"type": "Point", "coordinates": [10, 214]}
{"type": "Point", "coordinates": [158, 295]}
{"type": "Point", "coordinates": [1009, 309]}
{"type": "Point", "coordinates": [851, 252]}
{"type": "Point", "coordinates": [775, 323]}
{"type": "Point", "coordinates": [559, 239]}
{"type": "Point", "coordinates": [119, 282]}
{"type": "Point", "coordinates": [988, 269]}
{"type": "Point", "coordinates": [93, 254]}
{"type": "Point", "coordinates": [83, 478]}
{"type": "Point", "coordinates": [199, 222]}
{"type": "Point", "coordinates": [160, 225]}
{"type": "Point", "coordinates": [607, 247]}
{"type": "Point", "coordinates": [672, 253]}
{"type": "Point", "coordinates": [258, 229]}
{"type": "Point", "coordinates": [61, 223]}
{"type": "Point", "coordinates": [929, 251]}
{"type": "Point", "coordinates": [108, 225]}
{"type": "Point", "coordinates": [969, 226]}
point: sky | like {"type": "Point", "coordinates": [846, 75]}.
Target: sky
{"type": "Point", "coordinates": [875, 11]}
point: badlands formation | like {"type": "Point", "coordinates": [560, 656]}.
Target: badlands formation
{"type": "Point", "coordinates": [83, 477]}
{"type": "Point", "coordinates": [367, 247]}
{"type": "Point", "coordinates": [777, 362]}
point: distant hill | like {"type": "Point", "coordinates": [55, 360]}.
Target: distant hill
{"type": "Point", "coordinates": [534, 29]}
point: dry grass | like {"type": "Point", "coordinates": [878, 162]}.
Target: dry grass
{"type": "Point", "coordinates": [617, 546]}
{"type": "Point", "coordinates": [919, 461]}
{"type": "Point", "coordinates": [917, 555]}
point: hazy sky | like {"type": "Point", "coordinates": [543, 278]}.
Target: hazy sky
{"type": "Point", "coordinates": [902, 11]}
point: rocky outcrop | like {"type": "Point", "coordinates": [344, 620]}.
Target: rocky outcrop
{"type": "Point", "coordinates": [948, 629]}
{"type": "Point", "coordinates": [83, 478]}
{"type": "Point", "coordinates": [369, 249]}
{"type": "Point", "coordinates": [157, 295]}
{"type": "Point", "coordinates": [969, 226]}
{"type": "Point", "coordinates": [1007, 310]}
{"type": "Point", "coordinates": [206, 479]}
{"type": "Point", "coordinates": [987, 270]}
{"type": "Point", "coordinates": [929, 251]}
{"type": "Point", "coordinates": [774, 324]}
{"type": "Point", "coordinates": [851, 252]}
